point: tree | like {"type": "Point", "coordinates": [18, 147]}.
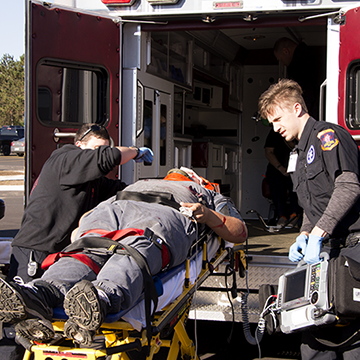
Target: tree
{"type": "Point", "coordinates": [11, 90]}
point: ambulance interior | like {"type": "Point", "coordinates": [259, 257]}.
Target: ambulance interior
{"type": "Point", "coordinates": [217, 111]}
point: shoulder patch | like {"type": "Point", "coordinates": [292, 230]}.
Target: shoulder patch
{"type": "Point", "coordinates": [327, 138]}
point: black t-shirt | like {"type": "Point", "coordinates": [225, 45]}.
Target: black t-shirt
{"type": "Point", "coordinates": [71, 182]}
{"type": "Point", "coordinates": [281, 150]}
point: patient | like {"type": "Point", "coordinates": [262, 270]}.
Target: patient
{"type": "Point", "coordinates": [92, 282]}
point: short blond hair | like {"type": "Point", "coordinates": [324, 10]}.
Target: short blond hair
{"type": "Point", "coordinates": [283, 94]}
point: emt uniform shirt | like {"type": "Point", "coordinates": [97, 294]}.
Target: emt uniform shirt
{"type": "Point", "coordinates": [324, 151]}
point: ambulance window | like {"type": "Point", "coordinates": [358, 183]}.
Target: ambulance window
{"type": "Point", "coordinates": [71, 95]}
{"type": "Point", "coordinates": [148, 125]}
{"type": "Point", "coordinates": [163, 128]}
{"type": "Point", "coordinates": [353, 98]}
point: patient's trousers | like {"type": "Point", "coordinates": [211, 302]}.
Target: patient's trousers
{"type": "Point", "coordinates": [119, 276]}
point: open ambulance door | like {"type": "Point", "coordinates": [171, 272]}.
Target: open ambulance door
{"type": "Point", "coordinates": [72, 77]}
{"type": "Point", "coordinates": [349, 72]}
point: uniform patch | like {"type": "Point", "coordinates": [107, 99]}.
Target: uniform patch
{"type": "Point", "coordinates": [310, 155]}
{"type": "Point", "coordinates": [327, 138]}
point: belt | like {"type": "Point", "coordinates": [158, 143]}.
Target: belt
{"type": "Point", "coordinates": [352, 239]}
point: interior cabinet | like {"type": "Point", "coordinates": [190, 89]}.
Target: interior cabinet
{"type": "Point", "coordinates": [170, 57]}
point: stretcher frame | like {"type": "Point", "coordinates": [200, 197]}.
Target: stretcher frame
{"type": "Point", "coordinates": [120, 336]}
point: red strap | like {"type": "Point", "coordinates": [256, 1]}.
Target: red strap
{"type": "Point", "coordinates": [165, 256]}
{"type": "Point", "coordinates": [116, 234]}
{"type": "Point", "coordinates": [50, 259]}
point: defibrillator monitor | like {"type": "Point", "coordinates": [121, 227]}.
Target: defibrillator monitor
{"type": "Point", "coordinates": [292, 289]}
{"type": "Point", "coordinates": [303, 297]}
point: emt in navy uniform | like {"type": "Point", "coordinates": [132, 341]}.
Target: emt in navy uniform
{"type": "Point", "coordinates": [324, 167]}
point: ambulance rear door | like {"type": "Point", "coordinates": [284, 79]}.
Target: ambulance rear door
{"type": "Point", "coordinates": [72, 77]}
{"type": "Point", "coordinates": [349, 72]}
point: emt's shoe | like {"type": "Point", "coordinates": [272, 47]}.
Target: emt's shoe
{"type": "Point", "coordinates": [86, 311]}
{"type": "Point", "coordinates": [293, 221]}
{"type": "Point", "coordinates": [282, 221]}
{"type": "Point", "coordinates": [30, 306]}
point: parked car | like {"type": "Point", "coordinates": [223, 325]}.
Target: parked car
{"type": "Point", "coordinates": [7, 135]}
{"type": "Point", "coordinates": [18, 147]}
{"type": "Point", "coordinates": [2, 208]}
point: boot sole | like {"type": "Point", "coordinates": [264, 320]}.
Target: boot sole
{"type": "Point", "coordinates": [35, 329]}
{"type": "Point", "coordinates": [82, 306]}
{"type": "Point", "coordinates": [80, 335]}
{"type": "Point", "coordinates": [12, 305]}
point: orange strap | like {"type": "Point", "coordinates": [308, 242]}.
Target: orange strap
{"type": "Point", "coordinates": [205, 183]}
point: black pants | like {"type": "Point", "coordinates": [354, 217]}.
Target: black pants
{"type": "Point", "coordinates": [19, 262]}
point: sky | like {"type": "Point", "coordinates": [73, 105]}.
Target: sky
{"type": "Point", "coordinates": [12, 28]}
{"type": "Point", "coordinates": [12, 24]}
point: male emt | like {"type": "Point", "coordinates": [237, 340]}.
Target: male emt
{"type": "Point", "coordinates": [324, 168]}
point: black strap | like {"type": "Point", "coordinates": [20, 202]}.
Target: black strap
{"type": "Point", "coordinates": [149, 288]}
{"type": "Point", "coordinates": [161, 198]}
{"type": "Point", "coordinates": [93, 242]}
{"type": "Point", "coordinates": [349, 341]}
{"type": "Point", "coordinates": [111, 246]}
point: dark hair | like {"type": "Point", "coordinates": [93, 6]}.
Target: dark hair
{"type": "Point", "coordinates": [284, 42]}
{"type": "Point", "coordinates": [87, 130]}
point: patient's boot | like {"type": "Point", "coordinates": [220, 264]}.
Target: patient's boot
{"type": "Point", "coordinates": [30, 306]}
{"type": "Point", "coordinates": [86, 312]}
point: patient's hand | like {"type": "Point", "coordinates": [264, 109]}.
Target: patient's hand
{"type": "Point", "coordinates": [200, 212]}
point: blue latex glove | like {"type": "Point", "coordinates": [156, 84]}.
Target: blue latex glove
{"type": "Point", "coordinates": [145, 154]}
{"type": "Point", "coordinates": [312, 254]}
{"type": "Point", "coordinates": [298, 248]}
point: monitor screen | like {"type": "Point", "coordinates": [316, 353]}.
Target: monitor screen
{"type": "Point", "coordinates": [294, 286]}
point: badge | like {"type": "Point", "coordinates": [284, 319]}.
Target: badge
{"type": "Point", "coordinates": [327, 138]}
{"type": "Point", "coordinates": [292, 162]}
{"type": "Point", "coordinates": [310, 155]}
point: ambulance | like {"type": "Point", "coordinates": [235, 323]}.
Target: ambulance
{"type": "Point", "coordinates": [182, 77]}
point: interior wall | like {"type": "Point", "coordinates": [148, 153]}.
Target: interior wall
{"type": "Point", "coordinates": [256, 80]}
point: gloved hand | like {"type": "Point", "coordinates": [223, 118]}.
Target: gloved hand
{"type": "Point", "coordinates": [298, 248]}
{"type": "Point", "coordinates": [145, 154]}
{"type": "Point", "coordinates": [313, 249]}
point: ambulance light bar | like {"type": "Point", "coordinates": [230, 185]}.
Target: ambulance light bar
{"type": "Point", "coordinates": [118, 2]}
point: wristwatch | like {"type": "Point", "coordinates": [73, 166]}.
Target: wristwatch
{"type": "Point", "coordinates": [137, 151]}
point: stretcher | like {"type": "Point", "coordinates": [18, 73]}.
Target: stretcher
{"type": "Point", "coordinates": [123, 333]}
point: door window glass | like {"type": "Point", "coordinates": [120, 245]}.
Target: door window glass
{"type": "Point", "coordinates": [353, 98]}
{"type": "Point", "coordinates": [71, 94]}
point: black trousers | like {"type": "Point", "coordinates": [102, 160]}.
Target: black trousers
{"type": "Point", "coordinates": [19, 263]}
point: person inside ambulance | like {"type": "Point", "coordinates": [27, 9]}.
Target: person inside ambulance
{"type": "Point", "coordinates": [72, 181]}
{"type": "Point", "coordinates": [305, 65]}
{"type": "Point", "coordinates": [155, 219]}
{"type": "Point", "coordinates": [324, 168]}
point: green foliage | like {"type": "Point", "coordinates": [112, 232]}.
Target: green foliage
{"type": "Point", "coordinates": [11, 90]}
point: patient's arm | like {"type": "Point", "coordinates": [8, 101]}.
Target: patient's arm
{"type": "Point", "coordinates": [228, 228]}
